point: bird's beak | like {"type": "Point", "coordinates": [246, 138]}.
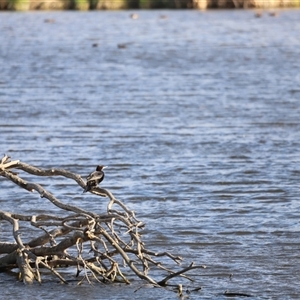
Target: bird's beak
{"type": "Point", "coordinates": [104, 167]}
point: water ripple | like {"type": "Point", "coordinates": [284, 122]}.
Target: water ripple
{"type": "Point", "coordinates": [197, 120]}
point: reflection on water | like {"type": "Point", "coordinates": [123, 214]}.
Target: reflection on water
{"type": "Point", "coordinates": [197, 118]}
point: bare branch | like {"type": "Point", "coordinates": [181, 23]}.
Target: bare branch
{"type": "Point", "coordinates": [94, 243]}
{"type": "Point", "coordinates": [190, 267]}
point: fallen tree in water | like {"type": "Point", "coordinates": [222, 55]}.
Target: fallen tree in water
{"type": "Point", "coordinates": [97, 247]}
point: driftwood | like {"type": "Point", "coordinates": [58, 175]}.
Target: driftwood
{"type": "Point", "coordinates": [98, 247]}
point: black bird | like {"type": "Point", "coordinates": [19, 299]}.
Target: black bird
{"type": "Point", "coordinates": [94, 178]}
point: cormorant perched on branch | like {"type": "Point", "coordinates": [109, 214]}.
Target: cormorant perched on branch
{"type": "Point", "coordinates": [94, 178]}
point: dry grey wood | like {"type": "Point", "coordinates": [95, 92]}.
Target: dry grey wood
{"type": "Point", "coordinates": [95, 244]}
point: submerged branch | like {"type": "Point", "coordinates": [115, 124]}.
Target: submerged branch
{"type": "Point", "coordinates": [82, 239]}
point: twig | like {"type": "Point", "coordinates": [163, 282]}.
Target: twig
{"type": "Point", "coordinates": [190, 267]}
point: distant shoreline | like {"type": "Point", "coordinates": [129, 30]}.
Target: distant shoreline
{"type": "Point", "coordinates": [25, 5]}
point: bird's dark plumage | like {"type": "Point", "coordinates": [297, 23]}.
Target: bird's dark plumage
{"type": "Point", "coordinates": [94, 178]}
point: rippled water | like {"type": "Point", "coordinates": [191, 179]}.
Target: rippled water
{"type": "Point", "coordinates": [197, 117]}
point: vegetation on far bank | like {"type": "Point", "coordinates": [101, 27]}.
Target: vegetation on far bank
{"type": "Point", "coordinates": [141, 4]}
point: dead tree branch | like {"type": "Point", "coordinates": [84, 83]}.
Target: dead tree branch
{"type": "Point", "coordinates": [78, 238]}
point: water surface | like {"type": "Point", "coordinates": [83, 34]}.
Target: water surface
{"type": "Point", "coordinates": [197, 117]}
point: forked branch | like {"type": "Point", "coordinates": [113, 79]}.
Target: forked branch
{"type": "Point", "coordinates": [80, 239]}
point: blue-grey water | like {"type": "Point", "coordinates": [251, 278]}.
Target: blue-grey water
{"type": "Point", "coordinates": [196, 115]}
